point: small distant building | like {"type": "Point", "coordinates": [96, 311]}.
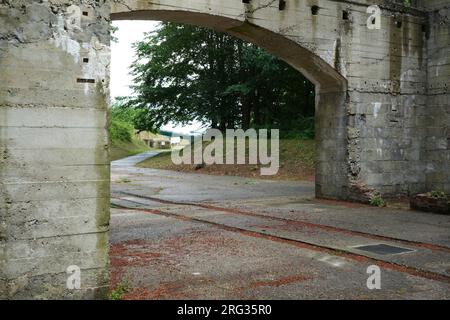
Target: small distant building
{"type": "Point", "coordinates": [154, 140]}
{"type": "Point", "coordinates": [159, 143]}
{"type": "Point", "coordinates": [145, 135]}
{"type": "Point", "coordinates": [174, 141]}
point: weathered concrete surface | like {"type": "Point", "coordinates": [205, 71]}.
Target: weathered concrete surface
{"type": "Point", "coordinates": [375, 132]}
{"type": "Point", "coordinates": [188, 260]}
{"type": "Point", "coordinates": [54, 166]}
{"type": "Point", "coordinates": [382, 113]}
{"type": "Point", "coordinates": [435, 116]}
{"type": "Point", "coordinates": [253, 246]}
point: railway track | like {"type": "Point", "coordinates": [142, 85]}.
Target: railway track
{"type": "Point", "coordinates": [142, 207]}
{"type": "Point", "coordinates": [298, 222]}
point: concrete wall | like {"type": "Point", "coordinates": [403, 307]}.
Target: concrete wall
{"type": "Point", "coordinates": [382, 114]}
{"type": "Point", "coordinates": [436, 114]}
{"type": "Point", "coordinates": [54, 167]}
{"type": "Point", "coordinates": [387, 79]}
{"type": "Point", "coordinates": [369, 130]}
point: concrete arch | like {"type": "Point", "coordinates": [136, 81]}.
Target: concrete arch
{"type": "Point", "coordinates": [382, 114]}
{"type": "Point", "coordinates": [331, 86]}
{"type": "Point", "coordinates": [325, 77]}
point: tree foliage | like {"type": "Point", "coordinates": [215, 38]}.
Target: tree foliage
{"type": "Point", "coordinates": [120, 126]}
{"type": "Point", "coordinates": [186, 73]}
{"type": "Point", "coordinates": [140, 118]}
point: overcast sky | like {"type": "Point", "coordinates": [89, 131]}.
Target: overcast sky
{"type": "Point", "coordinates": [122, 55]}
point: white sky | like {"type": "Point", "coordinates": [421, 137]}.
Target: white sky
{"type": "Point", "coordinates": [122, 53]}
{"type": "Point", "coordinates": [122, 56]}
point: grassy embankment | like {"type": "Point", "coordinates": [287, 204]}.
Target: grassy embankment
{"type": "Point", "coordinates": [123, 141]}
{"type": "Point", "coordinates": [123, 149]}
{"type": "Point", "coordinates": [297, 162]}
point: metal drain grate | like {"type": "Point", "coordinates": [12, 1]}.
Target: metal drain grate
{"type": "Point", "coordinates": [383, 249]}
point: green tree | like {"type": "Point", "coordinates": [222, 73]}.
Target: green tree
{"type": "Point", "coordinates": [184, 73]}
{"type": "Point", "coordinates": [137, 117]}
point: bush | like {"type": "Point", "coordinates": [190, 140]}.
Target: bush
{"type": "Point", "coordinates": [120, 131]}
{"type": "Point", "coordinates": [437, 194]}
{"type": "Point", "coordinates": [377, 201]}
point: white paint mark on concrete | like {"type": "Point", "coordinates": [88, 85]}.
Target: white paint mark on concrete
{"type": "Point", "coordinates": [376, 108]}
{"type": "Point", "coordinates": [73, 18]}
{"type": "Point", "coordinates": [334, 261]}
{"type": "Point", "coordinates": [86, 89]}
{"type": "Point", "coordinates": [62, 40]}
{"type": "Point", "coordinates": [379, 152]}
{"type": "Point", "coordinates": [98, 55]}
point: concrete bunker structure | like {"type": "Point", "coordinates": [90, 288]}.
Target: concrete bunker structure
{"type": "Point", "coordinates": [382, 110]}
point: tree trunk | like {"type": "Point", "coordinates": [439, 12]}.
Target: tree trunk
{"type": "Point", "coordinates": [245, 114]}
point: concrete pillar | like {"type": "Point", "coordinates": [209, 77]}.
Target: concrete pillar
{"type": "Point", "coordinates": [436, 115]}
{"type": "Point", "coordinates": [386, 70]}
{"type": "Point", "coordinates": [54, 166]}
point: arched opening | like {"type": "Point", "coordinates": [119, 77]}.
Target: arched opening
{"type": "Point", "coordinates": [330, 172]}
{"type": "Point", "coordinates": [331, 137]}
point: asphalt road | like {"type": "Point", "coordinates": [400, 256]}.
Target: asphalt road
{"type": "Point", "coordinates": [192, 236]}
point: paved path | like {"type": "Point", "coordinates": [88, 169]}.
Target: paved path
{"type": "Point", "coordinates": [179, 235]}
{"type": "Point", "coordinates": [133, 160]}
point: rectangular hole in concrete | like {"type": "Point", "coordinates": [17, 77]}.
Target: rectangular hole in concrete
{"type": "Point", "coordinates": [345, 15]}
{"type": "Point", "coordinates": [383, 249]}
{"type": "Point", "coordinates": [80, 80]}
{"type": "Point", "coordinates": [85, 60]}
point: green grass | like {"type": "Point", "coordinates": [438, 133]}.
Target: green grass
{"type": "Point", "coordinates": [123, 149]}
{"type": "Point", "coordinates": [123, 141]}
{"type": "Point", "coordinates": [297, 162]}
{"type": "Point", "coordinates": [120, 130]}
{"type": "Point", "coordinates": [160, 161]}
{"type": "Point", "coordinates": [119, 291]}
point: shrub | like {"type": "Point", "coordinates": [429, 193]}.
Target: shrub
{"type": "Point", "coordinates": [121, 127]}
{"type": "Point", "coordinates": [118, 292]}
{"type": "Point", "coordinates": [377, 201]}
{"type": "Point", "coordinates": [437, 194]}
{"type": "Point", "coordinates": [120, 131]}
